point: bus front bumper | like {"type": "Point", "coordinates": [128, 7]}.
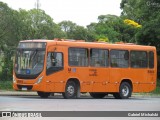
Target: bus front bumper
{"type": "Point", "coordinates": [27, 87]}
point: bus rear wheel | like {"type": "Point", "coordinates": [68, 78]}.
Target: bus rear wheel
{"type": "Point", "coordinates": [43, 94]}
{"type": "Point", "coordinates": [97, 95]}
{"type": "Point", "coordinates": [70, 90]}
{"type": "Point", "coordinates": [125, 91]}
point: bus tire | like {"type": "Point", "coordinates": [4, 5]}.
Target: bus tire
{"type": "Point", "coordinates": [125, 91]}
{"type": "Point", "coordinates": [43, 94]}
{"type": "Point", "coordinates": [70, 90]}
{"type": "Point", "coordinates": [97, 95]}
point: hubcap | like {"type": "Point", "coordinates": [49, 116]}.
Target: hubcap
{"type": "Point", "coordinates": [70, 90]}
{"type": "Point", "coordinates": [125, 91]}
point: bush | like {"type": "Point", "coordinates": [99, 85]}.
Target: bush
{"type": "Point", "coordinates": [6, 85]}
{"type": "Point", "coordinates": [6, 66]}
{"type": "Point", "coordinates": [157, 90]}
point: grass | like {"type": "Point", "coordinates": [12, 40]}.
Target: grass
{"type": "Point", "coordinates": [157, 90]}
{"type": "Point", "coordinates": [6, 85]}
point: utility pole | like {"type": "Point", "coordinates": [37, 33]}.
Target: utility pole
{"type": "Point", "coordinates": [37, 4]}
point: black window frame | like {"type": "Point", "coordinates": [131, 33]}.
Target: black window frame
{"type": "Point", "coordinates": [151, 65]}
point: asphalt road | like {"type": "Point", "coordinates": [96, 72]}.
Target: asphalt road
{"type": "Point", "coordinates": [85, 103]}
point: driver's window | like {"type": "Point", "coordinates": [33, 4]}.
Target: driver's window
{"type": "Point", "coordinates": [54, 60]}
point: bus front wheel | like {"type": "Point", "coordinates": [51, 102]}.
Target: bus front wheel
{"type": "Point", "coordinates": [43, 94]}
{"type": "Point", "coordinates": [70, 90]}
{"type": "Point", "coordinates": [125, 91]}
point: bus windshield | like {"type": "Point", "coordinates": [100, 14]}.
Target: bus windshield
{"type": "Point", "coordinates": [29, 62]}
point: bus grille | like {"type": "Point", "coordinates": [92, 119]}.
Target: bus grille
{"type": "Point", "coordinates": [29, 87]}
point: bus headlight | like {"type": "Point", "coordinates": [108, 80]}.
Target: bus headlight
{"type": "Point", "coordinates": [14, 81]}
{"type": "Point", "coordinates": [39, 80]}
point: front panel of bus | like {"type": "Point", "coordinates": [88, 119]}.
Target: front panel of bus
{"type": "Point", "coordinates": [29, 65]}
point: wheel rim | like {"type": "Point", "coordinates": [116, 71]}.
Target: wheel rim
{"type": "Point", "coordinates": [125, 91]}
{"type": "Point", "coordinates": [70, 90]}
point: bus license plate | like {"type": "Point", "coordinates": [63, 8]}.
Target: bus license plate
{"type": "Point", "coordinates": [24, 88]}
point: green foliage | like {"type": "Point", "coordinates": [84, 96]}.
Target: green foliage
{"type": "Point", "coordinates": [6, 85]}
{"type": "Point", "coordinates": [102, 38]}
{"type": "Point", "coordinates": [8, 26]}
{"type": "Point", "coordinates": [157, 90]}
{"type": "Point", "coordinates": [36, 24]}
{"type": "Point", "coordinates": [80, 33]}
{"type": "Point", "coordinates": [8, 39]}
{"type": "Point", "coordinates": [113, 28]}
{"type": "Point", "coordinates": [7, 66]}
{"type": "Point", "coordinates": [145, 12]}
{"type": "Point", "coordinates": [73, 31]}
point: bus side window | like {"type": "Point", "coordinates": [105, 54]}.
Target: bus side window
{"type": "Point", "coordinates": [119, 58]}
{"type": "Point", "coordinates": [139, 59]}
{"type": "Point", "coordinates": [54, 62]}
{"type": "Point", "coordinates": [98, 57]}
{"type": "Point", "coordinates": [78, 57]}
{"type": "Point", "coordinates": [151, 59]}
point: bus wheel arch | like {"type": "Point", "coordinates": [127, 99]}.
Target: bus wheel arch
{"type": "Point", "coordinates": [128, 81]}
{"type": "Point", "coordinates": [125, 90]}
{"type": "Point", "coordinates": [72, 88]}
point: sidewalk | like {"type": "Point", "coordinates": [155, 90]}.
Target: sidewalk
{"type": "Point", "coordinates": [17, 93]}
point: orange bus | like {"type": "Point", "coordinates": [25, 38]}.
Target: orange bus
{"type": "Point", "coordinates": [72, 67]}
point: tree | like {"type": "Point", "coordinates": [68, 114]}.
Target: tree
{"type": "Point", "coordinates": [104, 28]}
{"type": "Point", "coordinates": [68, 27]}
{"type": "Point", "coordinates": [8, 26]}
{"type": "Point", "coordinates": [8, 39]}
{"type": "Point", "coordinates": [112, 28]}
{"type": "Point", "coordinates": [80, 33]}
{"type": "Point", "coordinates": [145, 12]}
{"type": "Point", "coordinates": [74, 31]}
{"type": "Point", "coordinates": [38, 25]}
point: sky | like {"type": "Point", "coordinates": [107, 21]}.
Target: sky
{"type": "Point", "coordinates": [81, 12]}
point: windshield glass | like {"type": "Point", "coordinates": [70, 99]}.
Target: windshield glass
{"type": "Point", "coordinates": [29, 62]}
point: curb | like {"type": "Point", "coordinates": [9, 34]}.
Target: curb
{"type": "Point", "coordinates": [17, 93]}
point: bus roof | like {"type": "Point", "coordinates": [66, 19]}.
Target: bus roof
{"type": "Point", "coordinates": [82, 44]}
